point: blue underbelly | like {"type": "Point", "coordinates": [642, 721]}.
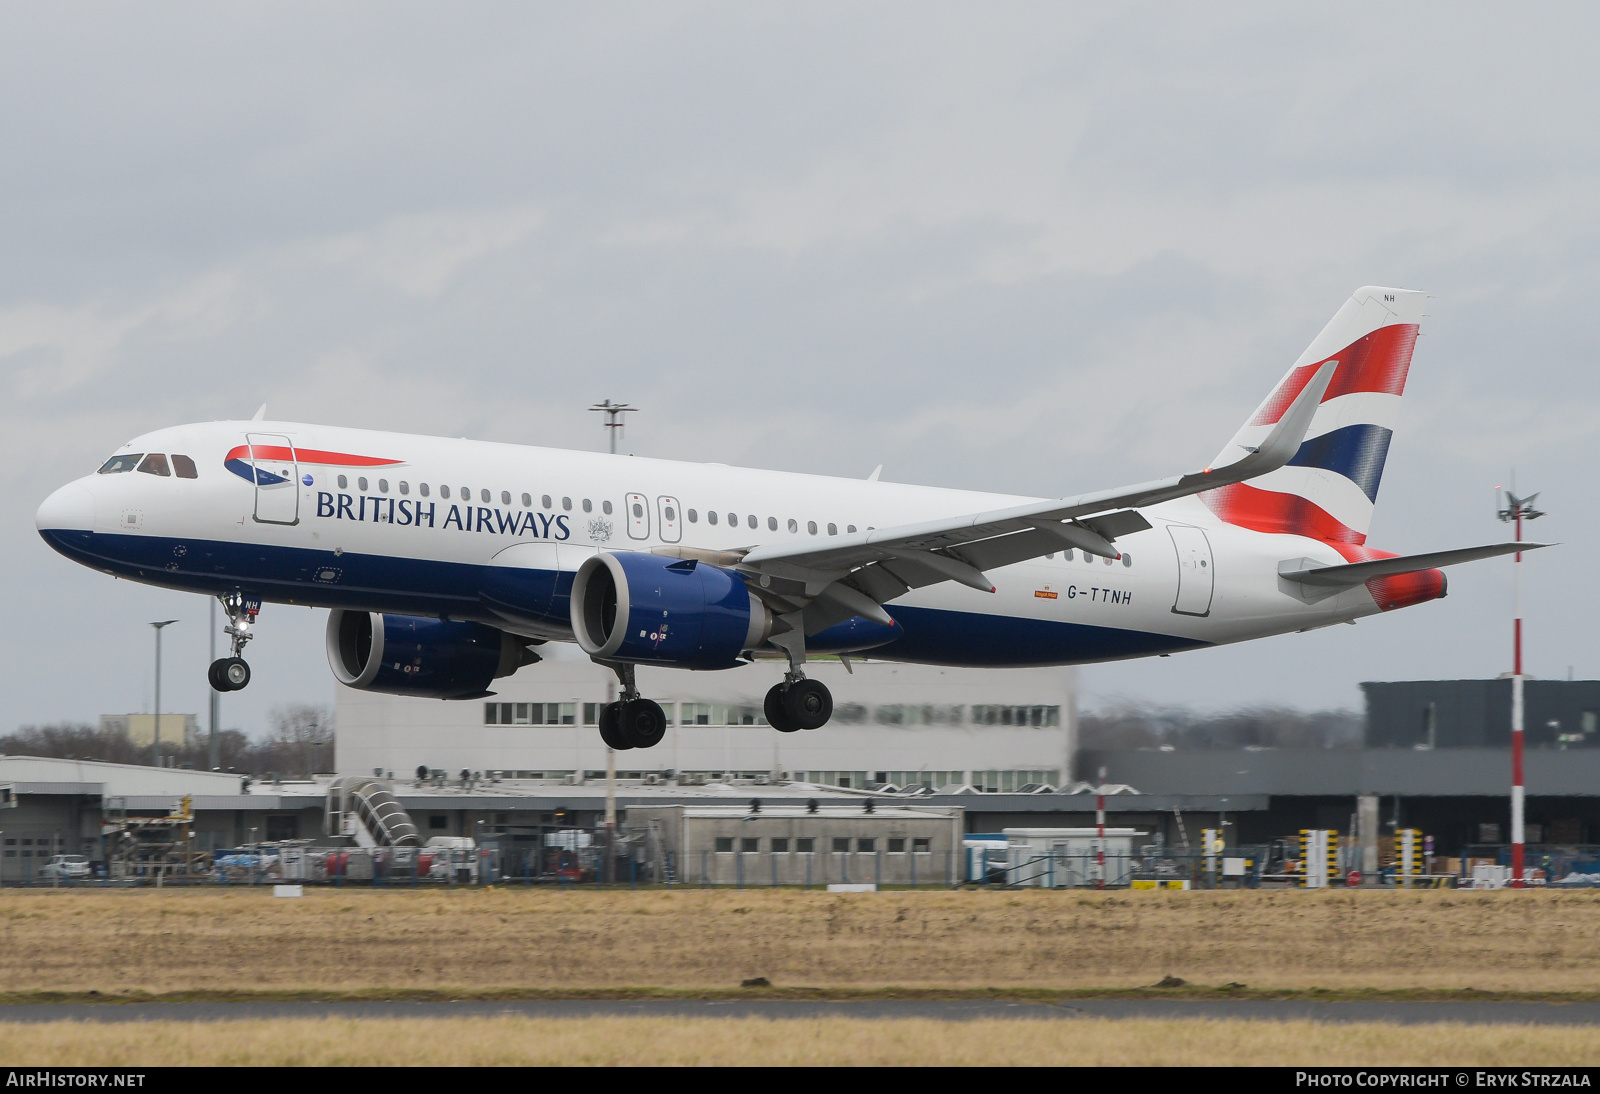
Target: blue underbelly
{"type": "Point", "coordinates": [489, 594]}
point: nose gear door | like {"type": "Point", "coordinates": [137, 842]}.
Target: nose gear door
{"type": "Point", "coordinates": [277, 474]}
{"type": "Point", "coordinates": [1195, 579]}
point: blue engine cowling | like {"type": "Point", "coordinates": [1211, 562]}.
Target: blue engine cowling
{"type": "Point", "coordinates": [649, 609]}
{"type": "Point", "coordinates": [416, 655]}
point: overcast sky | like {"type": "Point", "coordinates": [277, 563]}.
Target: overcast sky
{"type": "Point", "coordinates": [1034, 248]}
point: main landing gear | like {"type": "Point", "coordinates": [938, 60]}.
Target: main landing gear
{"type": "Point", "coordinates": [632, 721]}
{"type": "Point", "coordinates": [797, 703]}
{"type": "Point", "coordinates": [233, 673]}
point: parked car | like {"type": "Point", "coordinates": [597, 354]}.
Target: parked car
{"type": "Point", "coordinates": [66, 867]}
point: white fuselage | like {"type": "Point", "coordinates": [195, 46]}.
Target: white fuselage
{"type": "Point", "coordinates": [409, 542]}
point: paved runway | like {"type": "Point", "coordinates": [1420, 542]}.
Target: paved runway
{"type": "Point", "coordinates": [1576, 1014]}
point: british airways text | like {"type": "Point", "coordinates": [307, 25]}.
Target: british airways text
{"type": "Point", "coordinates": [466, 518]}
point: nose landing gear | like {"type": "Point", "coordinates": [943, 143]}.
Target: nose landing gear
{"type": "Point", "coordinates": [233, 673]}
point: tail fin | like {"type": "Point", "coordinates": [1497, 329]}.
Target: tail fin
{"type": "Point", "coordinates": [1328, 489]}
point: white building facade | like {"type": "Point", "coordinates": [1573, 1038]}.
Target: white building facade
{"type": "Point", "coordinates": [993, 729]}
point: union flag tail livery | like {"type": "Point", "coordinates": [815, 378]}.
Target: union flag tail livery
{"type": "Point", "coordinates": [444, 561]}
{"type": "Point", "coordinates": [1328, 489]}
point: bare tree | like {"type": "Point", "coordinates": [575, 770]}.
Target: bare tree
{"type": "Point", "coordinates": [303, 734]}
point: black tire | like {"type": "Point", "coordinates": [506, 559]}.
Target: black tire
{"type": "Point", "coordinates": [643, 723]}
{"type": "Point", "coordinates": [214, 675]}
{"type": "Point", "coordinates": [611, 728]}
{"type": "Point", "coordinates": [777, 716]}
{"type": "Point", "coordinates": [235, 673]}
{"type": "Point", "coordinates": [808, 704]}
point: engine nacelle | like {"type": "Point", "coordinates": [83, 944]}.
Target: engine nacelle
{"type": "Point", "coordinates": [651, 609]}
{"type": "Point", "coordinates": [416, 655]}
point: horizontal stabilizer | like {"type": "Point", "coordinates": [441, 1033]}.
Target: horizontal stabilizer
{"type": "Point", "coordinates": [1355, 573]}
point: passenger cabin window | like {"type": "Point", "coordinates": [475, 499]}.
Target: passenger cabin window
{"type": "Point", "coordinates": [605, 507]}
{"type": "Point", "coordinates": [850, 528]}
{"type": "Point", "coordinates": [184, 466]}
{"type": "Point", "coordinates": [483, 496]}
{"type": "Point", "coordinates": [361, 484]}
{"type": "Point", "coordinates": [588, 506]}
{"type": "Point", "coordinates": [422, 488]}
{"type": "Point", "coordinates": [444, 491]}
{"type": "Point", "coordinates": [811, 526]}
{"type": "Point", "coordinates": [155, 464]}
{"type": "Point", "coordinates": [505, 497]}
{"type": "Point", "coordinates": [694, 518]}
{"type": "Point", "coordinates": [833, 529]}
{"type": "Point", "coordinates": [772, 524]}
{"type": "Point", "coordinates": [794, 525]}
{"type": "Point", "coordinates": [383, 486]}
{"type": "Point", "coordinates": [545, 501]}
{"type": "Point", "coordinates": [754, 523]}
{"type": "Point", "coordinates": [118, 464]}
{"type": "Point", "coordinates": [344, 483]}
{"type": "Point", "coordinates": [405, 487]}
{"type": "Point", "coordinates": [566, 503]}
{"type": "Point", "coordinates": [711, 516]}
{"type": "Point", "coordinates": [527, 501]}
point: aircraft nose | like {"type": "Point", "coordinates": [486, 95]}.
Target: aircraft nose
{"type": "Point", "coordinates": [70, 509]}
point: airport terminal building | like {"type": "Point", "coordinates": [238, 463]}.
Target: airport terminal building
{"type": "Point", "coordinates": [997, 730]}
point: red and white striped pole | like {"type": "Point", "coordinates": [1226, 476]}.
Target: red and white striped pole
{"type": "Point", "coordinates": [1100, 825]}
{"type": "Point", "coordinates": [1516, 511]}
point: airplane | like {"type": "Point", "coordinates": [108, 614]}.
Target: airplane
{"type": "Point", "coordinates": [444, 562]}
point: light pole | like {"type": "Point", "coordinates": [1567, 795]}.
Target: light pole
{"type": "Point", "coordinates": [613, 413]}
{"type": "Point", "coordinates": [156, 749]}
{"type": "Point", "coordinates": [1515, 511]}
{"type": "Point", "coordinates": [213, 745]}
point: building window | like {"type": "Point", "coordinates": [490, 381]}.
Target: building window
{"type": "Point", "coordinates": [780, 845]}
{"type": "Point", "coordinates": [750, 843]}
{"type": "Point", "coordinates": [840, 843]}
{"type": "Point", "coordinates": [591, 713]}
{"type": "Point", "coordinates": [921, 844]}
{"type": "Point", "coordinates": [437, 822]}
{"type": "Point", "coordinates": [805, 845]}
{"type": "Point", "coordinates": [866, 844]}
{"type": "Point", "coordinates": [724, 844]}
{"type": "Point", "coordinates": [897, 845]}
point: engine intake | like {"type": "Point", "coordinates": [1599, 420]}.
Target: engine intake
{"type": "Point", "coordinates": [651, 609]}
{"type": "Point", "coordinates": [417, 655]}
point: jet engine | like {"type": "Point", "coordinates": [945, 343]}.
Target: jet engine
{"type": "Point", "coordinates": [416, 655]}
{"type": "Point", "coordinates": [649, 609]}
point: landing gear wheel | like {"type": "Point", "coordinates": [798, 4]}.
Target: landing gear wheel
{"type": "Point", "coordinates": [611, 729]}
{"type": "Point", "coordinates": [642, 722]}
{"type": "Point", "coordinates": [228, 674]}
{"type": "Point", "coordinates": [777, 717]}
{"type": "Point", "coordinates": [808, 704]}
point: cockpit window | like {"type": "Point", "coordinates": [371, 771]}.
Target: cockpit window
{"type": "Point", "coordinates": [118, 464]}
{"type": "Point", "coordinates": [155, 464]}
{"type": "Point", "coordinates": [184, 466]}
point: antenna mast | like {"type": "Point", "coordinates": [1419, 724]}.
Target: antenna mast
{"type": "Point", "coordinates": [614, 413]}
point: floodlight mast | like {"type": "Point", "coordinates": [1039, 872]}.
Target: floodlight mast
{"type": "Point", "coordinates": [614, 413]}
{"type": "Point", "coordinates": [1514, 511]}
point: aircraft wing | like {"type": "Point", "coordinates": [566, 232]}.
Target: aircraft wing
{"type": "Point", "coordinates": [855, 574]}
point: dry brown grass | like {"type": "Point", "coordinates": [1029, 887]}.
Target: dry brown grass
{"type": "Point", "coordinates": [349, 940]}
{"type": "Point", "coordinates": [695, 1041]}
